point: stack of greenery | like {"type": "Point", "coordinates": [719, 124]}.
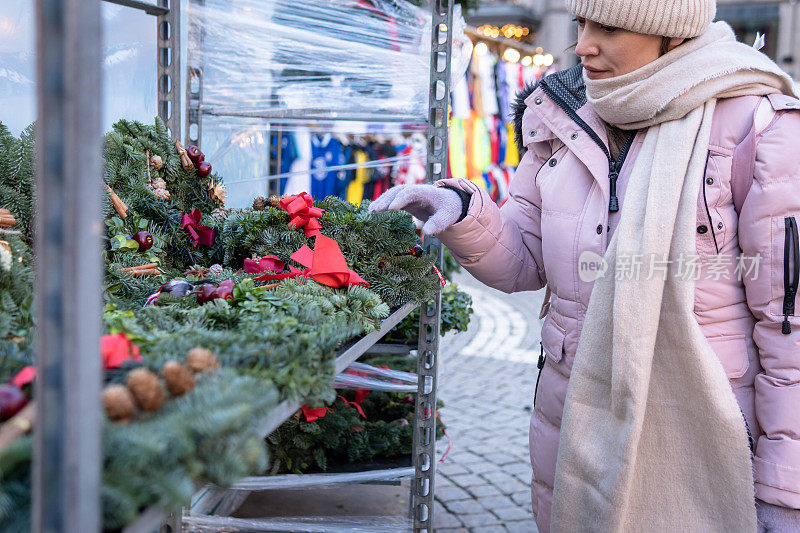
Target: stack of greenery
{"type": "Point", "coordinates": [273, 343]}
{"type": "Point", "coordinates": [344, 436]}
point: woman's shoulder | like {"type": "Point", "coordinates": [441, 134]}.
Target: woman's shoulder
{"type": "Point", "coordinates": [735, 117]}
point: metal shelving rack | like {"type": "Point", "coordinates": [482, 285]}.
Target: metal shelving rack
{"type": "Point", "coordinates": [423, 452]}
{"type": "Point", "coordinates": [68, 33]}
{"type": "Point", "coordinates": [168, 56]}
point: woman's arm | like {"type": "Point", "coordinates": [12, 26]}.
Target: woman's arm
{"type": "Point", "coordinates": [502, 247]}
{"type": "Point", "coordinates": [771, 206]}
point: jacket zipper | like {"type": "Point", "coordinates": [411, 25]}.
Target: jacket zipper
{"type": "Point", "coordinates": [540, 366]}
{"type": "Point", "coordinates": [791, 277]}
{"type": "Point", "coordinates": [705, 202]}
{"type": "Point", "coordinates": [614, 167]}
{"type": "Point", "coordinates": [750, 440]}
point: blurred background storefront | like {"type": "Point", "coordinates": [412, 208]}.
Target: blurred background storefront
{"type": "Point", "coordinates": [551, 27]}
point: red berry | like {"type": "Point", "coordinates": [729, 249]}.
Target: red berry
{"type": "Point", "coordinates": [203, 169]}
{"type": "Point", "coordinates": [206, 293]}
{"type": "Point", "coordinates": [194, 154]}
{"type": "Point", "coordinates": [12, 400]}
{"type": "Point", "coordinates": [417, 250]}
{"type": "Point", "coordinates": [223, 291]}
{"type": "Point", "coordinates": [144, 239]}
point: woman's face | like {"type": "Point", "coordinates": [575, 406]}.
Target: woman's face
{"type": "Point", "coordinates": [607, 52]}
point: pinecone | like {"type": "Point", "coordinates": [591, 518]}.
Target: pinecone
{"type": "Point", "coordinates": [274, 201]}
{"type": "Point", "coordinates": [259, 203]}
{"type": "Point", "coordinates": [220, 214]}
{"type": "Point", "coordinates": [201, 360]}
{"type": "Point", "coordinates": [161, 194]}
{"type": "Point", "coordinates": [146, 389]}
{"type": "Point", "coordinates": [178, 378]}
{"type": "Point", "coordinates": [156, 162]}
{"type": "Point", "coordinates": [118, 403]}
{"type": "Point", "coordinates": [159, 183]}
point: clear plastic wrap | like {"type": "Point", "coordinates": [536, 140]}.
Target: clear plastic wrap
{"type": "Point", "coordinates": [358, 59]}
{"type": "Point", "coordinates": [321, 481]}
{"type": "Point", "coordinates": [310, 524]}
{"type": "Point", "coordinates": [462, 48]}
{"type": "Point", "coordinates": [360, 376]}
{"type": "Point", "coordinates": [129, 64]}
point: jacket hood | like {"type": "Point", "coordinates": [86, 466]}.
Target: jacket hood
{"type": "Point", "coordinates": [568, 84]}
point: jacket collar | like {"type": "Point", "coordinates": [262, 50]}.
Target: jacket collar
{"type": "Point", "coordinates": [567, 83]}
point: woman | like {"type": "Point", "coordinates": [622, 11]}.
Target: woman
{"type": "Point", "coordinates": [671, 145]}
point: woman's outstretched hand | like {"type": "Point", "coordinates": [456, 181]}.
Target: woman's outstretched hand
{"type": "Point", "coordinates": [774, 518]}
{"type": "Point", "coordinates": [438, 207]}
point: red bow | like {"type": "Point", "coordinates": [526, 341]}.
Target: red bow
{"type": "Point", "coordinates": [324, 264]}
{"type": "Point", "coordinates": [355, 404]}
{"type": "Point", "coordinates": [268, 263]}
{"type": "Point", "coordinates": [314, 414]}
{"type": "Point", "coordinates": [116, 349]}
{"type": "Point", "coordinates": [200, 234]}
{"type": "Point", "coordinates": [301, 208]}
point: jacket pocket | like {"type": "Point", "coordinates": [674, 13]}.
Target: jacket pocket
{"type": "Point", "coordinates": [553, 339]}
{"type": "Point", "coordinates": [732, 353]}
{"type": "Point", "coordinates": [791, 271]}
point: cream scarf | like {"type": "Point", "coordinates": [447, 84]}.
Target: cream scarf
{"type": "Point", "coordinates": [652, 438]}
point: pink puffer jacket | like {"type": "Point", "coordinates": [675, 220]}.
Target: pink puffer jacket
{"type": "Point", "coordinates": [559, 208]}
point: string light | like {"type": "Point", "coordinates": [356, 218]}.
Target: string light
{"type": "Point", "coordinates": [527, 61]}
{"type": "Point", "coordinates": [509, 31]}
{"type": "Point", "coordinates": [481, 49]}
{"type": "Point", "coordinates": [548, 60]}
{"type": "Point", "coordinates": [511, 55]}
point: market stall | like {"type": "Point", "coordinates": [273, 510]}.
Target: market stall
{"type": "Point", "coordinates": [219, 323]}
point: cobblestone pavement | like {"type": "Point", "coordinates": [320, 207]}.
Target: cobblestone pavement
{"type": "Point", "coordinates": [487, 379]}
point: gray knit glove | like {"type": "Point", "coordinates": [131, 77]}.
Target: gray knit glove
{"type": "Point", "coordinates": [438, 207]}
{"type": "Point", "coordinates": [777, 519]}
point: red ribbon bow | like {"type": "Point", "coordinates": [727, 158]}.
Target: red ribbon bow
{"type": "Point", "coordinates": [356, 404]}
{"type": "Point", "coordinates": [116, 349]}
{"type": "Point", "coordinates": [268, 263]}
{"type": "Point", "coordinates": [314, 414]}
{"type": "Point", "coordinates": [200, 234]}
{"type": "Point", "coordinates": [24, 376]}
{"type": "Point", "coordinates": [324, 264]}
{"type": "Point", "coordinates": [304, 215]}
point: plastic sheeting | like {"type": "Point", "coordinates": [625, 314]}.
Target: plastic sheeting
{"type": "Point", "coordinates": [129, 64]}
{"type": "Point", "coordinates": [349, 67]}
{"type": "Point", "coordinates": [311, 524]}
{"type": "Point", "coordinates": [360, 59]}
{"type": "Point", "coordinates": [362, 376]}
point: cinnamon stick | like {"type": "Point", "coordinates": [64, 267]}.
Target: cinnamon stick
{"type": "Point", "coordinates": [148, 266]}
{"type": "Point", "coordinates": [147, 168]}
{"type": "Point", "coordinates": [119, 205]}
{"type": "Point", "coordinates": [185, 161]}
{"type": "Point", "coordinates": [17, 426]}
{"type": "Point", "coordinates": [6, 219]}
{"type": "Point", "coordinates": [145, 272]}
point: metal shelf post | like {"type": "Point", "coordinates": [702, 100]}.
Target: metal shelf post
{"type": "Point", "coordinates": [169, 66]}
{"type": "Point", "coordinates": [67, 464]}
{"type": "Point", "coordinates": [424, 451]}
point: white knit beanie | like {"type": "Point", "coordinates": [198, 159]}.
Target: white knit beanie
{"type": "Point", "coordinates": [666, 18]}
